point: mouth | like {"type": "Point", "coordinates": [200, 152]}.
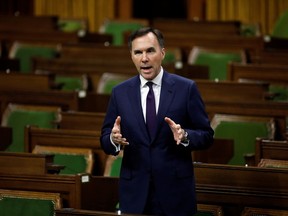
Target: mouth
{"type": "Point", "coordinates": [146, 68]}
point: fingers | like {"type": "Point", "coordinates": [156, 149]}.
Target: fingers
{"type": "Point", "coordinates": [116, 133]}
{"type": "Point", "coordinates": [178, 132]}
{"type": "Point", "coordinates": [117, 121]}
{"type": "Point", "coordinates": [175, 127]}
{"type": "Point", "coordinates": [117, 138]}
{"type": "Point", "coordinates": [169, 121]}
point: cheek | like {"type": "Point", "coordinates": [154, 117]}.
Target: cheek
{"type": "Point", "coordinates": [159, 58]}
{"type": "Point", "coordinates": [135, 61]}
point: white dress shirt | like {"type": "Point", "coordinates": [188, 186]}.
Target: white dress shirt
{"type": "Point", "coordinates": [156, 89]}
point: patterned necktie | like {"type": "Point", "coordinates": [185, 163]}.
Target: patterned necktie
{"type": "Point", "coordinates": [150, 110]}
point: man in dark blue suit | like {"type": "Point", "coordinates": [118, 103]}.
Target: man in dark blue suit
{"type": "Point", "coordinates": [156, 176]}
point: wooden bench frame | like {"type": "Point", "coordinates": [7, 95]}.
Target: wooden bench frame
{"type": "Point", "coordinates": [271, 149]}
{"type": "Point", "coordinates": [85, 139]}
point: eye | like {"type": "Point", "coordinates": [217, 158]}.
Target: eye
{"type": "Point", "coordinates": [137, 52]}
{"type": "Point", "coordinates": [150, 50]}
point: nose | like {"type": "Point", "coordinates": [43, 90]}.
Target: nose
{"type": "Point", "coordinates": [144, 57]}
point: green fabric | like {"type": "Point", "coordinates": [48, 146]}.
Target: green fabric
{"type": "Point", "coordinates": [117, 29]}
{"type": "Point", "coordinates": [69, 83]}
{"type": "Point", "coordinates": [26, 53]}
{"type": "Point", "coordinates": [244, 135]}
{"type": "Point", "coordinates": [281, 92]}
{"type": "Point", "coordinates": [70, 25]}
{"type": "Point", "coordinates": [217, 63]}
{"type": "Point", "coordinates": [19, 119]}
{"type": "Point", "coordinates": [116, 166]}
{"type": "Point", "coordinates": [280, 29]}
{"type": "Point", "coordinates": [12, 206]}
{"type": "Point", "coordinates": [74, 164]}
{"type": "Point", "coordinates": [169, 57]}
{"type": "Point", "coordinates": [110, 84]}
{"type": "Point", "coordinates": [249, 30]}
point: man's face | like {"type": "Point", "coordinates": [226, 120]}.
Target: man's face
{"type": "Point", "coordinates": [147, 55]}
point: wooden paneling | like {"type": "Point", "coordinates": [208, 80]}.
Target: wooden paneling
{"type": "Point", "coordinates": [123, 9]}
{"type": "Point", "coordinates": [264, 12]}
{"type": "Point", "coordinates": [96, 11]}
{"type": "Point", "coordinates": [196, 10]}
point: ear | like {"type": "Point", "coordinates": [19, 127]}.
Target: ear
{"type": "Point", "coordinates": [163, 51]}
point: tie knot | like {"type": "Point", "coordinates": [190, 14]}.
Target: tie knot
{"type": "Point", "coordinates": [149, 84]}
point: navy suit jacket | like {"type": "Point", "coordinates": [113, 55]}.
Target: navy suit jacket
{"type": "Point", "coordinates": [158, 158]}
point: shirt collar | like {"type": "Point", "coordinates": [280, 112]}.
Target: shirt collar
{"type": "Point", "coordinates": [156, 80]}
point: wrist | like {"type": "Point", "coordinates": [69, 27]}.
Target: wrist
{"type": "Point", "coordinates": [185, 136]}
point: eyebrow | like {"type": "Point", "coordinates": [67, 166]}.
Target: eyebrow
{"type": "Point", "coordinates": [148, 49]}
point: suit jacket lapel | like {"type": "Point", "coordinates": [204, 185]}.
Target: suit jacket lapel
{"type": "Point", "coordinates": [166, 97]}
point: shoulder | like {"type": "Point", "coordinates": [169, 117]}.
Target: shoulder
{"type": "Point", "coordinates": [177, 79]}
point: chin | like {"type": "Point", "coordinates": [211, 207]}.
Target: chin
{"type": "Point", "coordinates": [148, 76]}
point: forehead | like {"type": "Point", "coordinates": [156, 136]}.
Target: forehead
{"type": "Point", "coordinates": [146, 41]}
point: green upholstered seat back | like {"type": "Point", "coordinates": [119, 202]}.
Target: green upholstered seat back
{"type": "Point", "coordinates": [108, 81]}
{"type": "Point", "coordinates": [117, 29]}
{"type": "Point", "coordinates": [250, 29]}
{"type": "Point", "coordinates": [26, 53]}
{"type": "Point", "coordinates": [73, 163]}
{"type": "Point", "coordinates": [244, 135]}
{"type": "Point", "coordinates": [169, 57]}
{"type": "Point", "coordinates": [217, 63]}
{"type": "Point", "coordinates": [281, 92]}
{"type": "Point", "coordinates": [113, 165]}
{"type": "Point", "coordinates": [109, 85]}
{"type": "Point", "coordinates": [70, 83]}
{"type": "Point", "coordinates": [71, 25]}
{"type": "Point", "coordinates": [19, 119]}
{"type": "Point", "coordinates": [74, 160]}
{"type": "Point", "coordinates": [15, 206]}
{"type": "Point", "coordinates": [280, 28]}
{"type": "Point", "coordinates": [116, 166]}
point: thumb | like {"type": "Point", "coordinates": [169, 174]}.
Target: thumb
{"type": "Point", "coordinates": [169, 121]}
{"type": "Point", "coordinates": [117, 121]}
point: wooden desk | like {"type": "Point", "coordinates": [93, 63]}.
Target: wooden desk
{"type": "Point", "coordinates": [271, 149]}
{"type": "Point", "coordinates": [232, 91]}
{"type": "Point", "coordinates": [77, 191]}
{"type": "Point", "coordinates": [271, 73]}
{"type": "Point", "coordinates": [81, 120]}
{"type": "Point", "coordinates": [24, 163]}
{"type": "Point", "coordinates": [10, 23]}
{"type": "Point", "coordinates": [187, 41]}
{"type": "Point", "coordinates": [197, 27]}
{"type": "Point", "coordinates": [235, 187]}
{"type": "Point", "coordinates": [16, 81]}
{"type": "Point", "coordinates": [65, 100]}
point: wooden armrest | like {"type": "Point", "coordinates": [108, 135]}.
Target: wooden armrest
{"type": "Point", "coordinates": [250, 159]}
{"type": "Point", "coordinates": [54, 168]}
{"type": "Point", "coordinates": [6, 137]}
{"type": "Point", "coordinates": [270, 95]}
